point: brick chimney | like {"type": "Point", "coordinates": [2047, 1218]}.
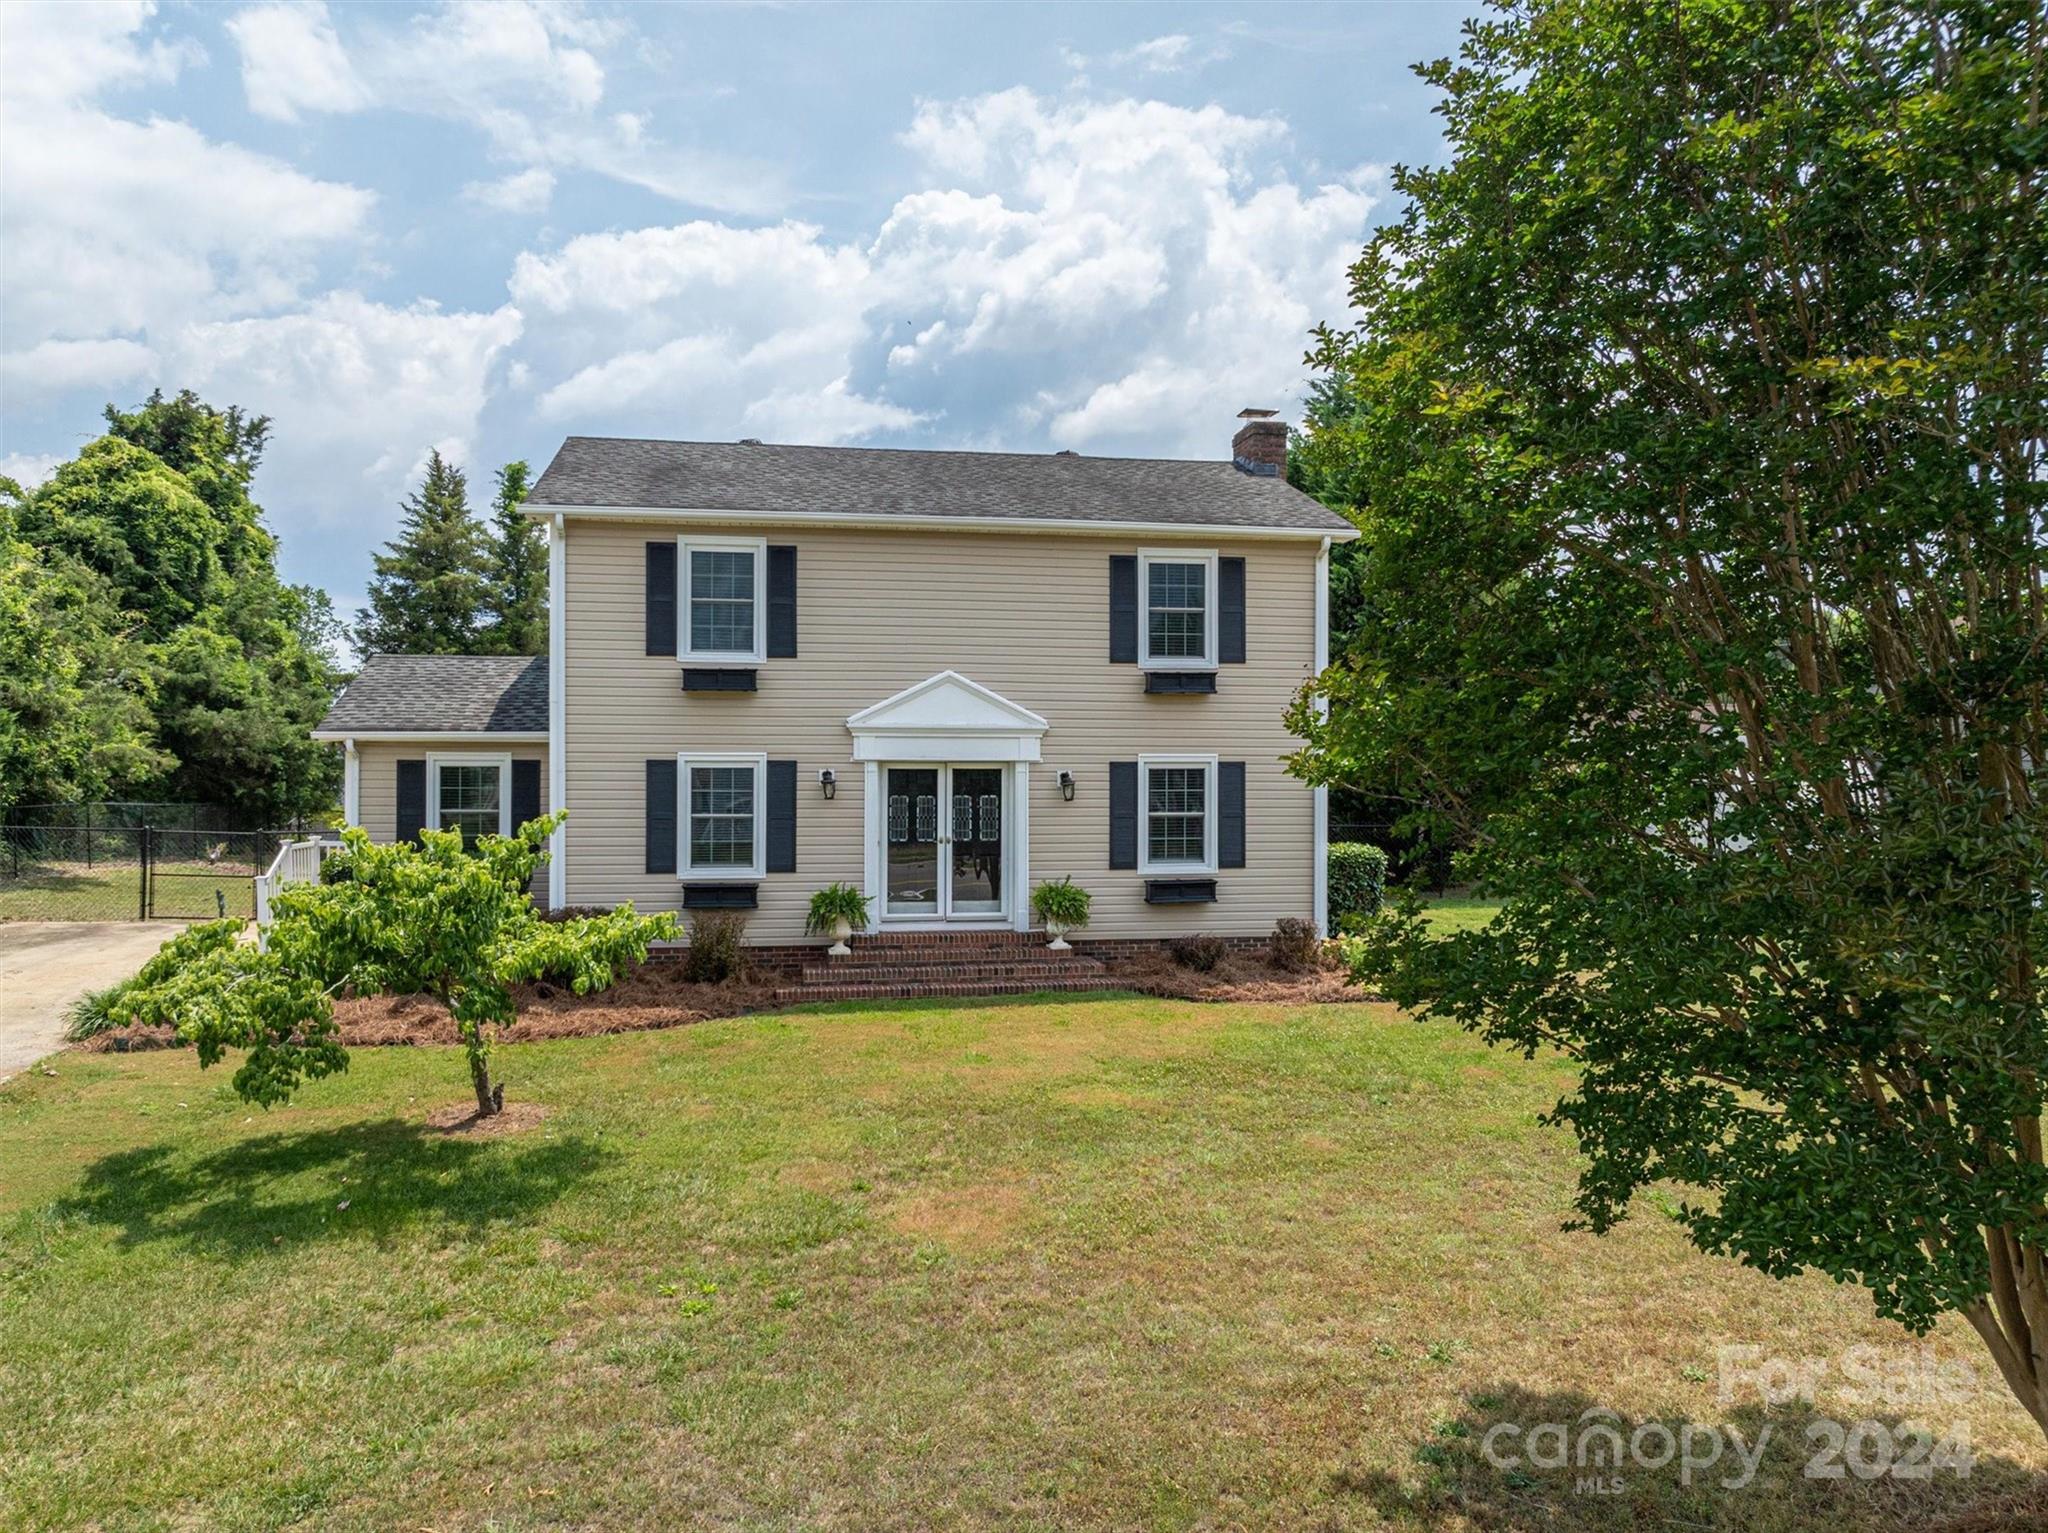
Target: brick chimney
{"type": "Point", "coordinates": [1260, 446]}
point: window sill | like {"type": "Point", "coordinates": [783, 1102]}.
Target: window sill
{"type": "Point", "coordinates": [1180, 683]}
{"type": "Point", "coordinates": [698, 678]}
{"type": "Point", "coordinates": [1180, 891]}
{"type": "Point", "coordinates": [721, 896]}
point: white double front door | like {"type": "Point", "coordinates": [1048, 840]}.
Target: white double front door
{"type": "Point", "coordinates": [945, 836]}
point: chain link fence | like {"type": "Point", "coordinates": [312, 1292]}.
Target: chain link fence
{"type": "Point", "coordinates": [82, 863]}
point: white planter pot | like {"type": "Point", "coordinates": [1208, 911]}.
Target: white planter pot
{"type": "Point", "coordinates": [841, 930]}
{"type": "Point", "coordinates": [1058, 933]}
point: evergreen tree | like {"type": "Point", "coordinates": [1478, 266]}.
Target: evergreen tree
{"type": "Point", "coordinates": [518, 596]}
{"type": "Point", "coordinates": [428, 595]}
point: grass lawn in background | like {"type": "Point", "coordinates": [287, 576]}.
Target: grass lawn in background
{"type": "Point", "coordinates": [71, 891]}
{"type": "Point", "coordinates": [1114, 1263]}
{"type": "Point", "coordinates": [1459, 912]}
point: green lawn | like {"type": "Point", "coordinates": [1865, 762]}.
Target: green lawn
{"type": "Point", "coordinates": [1460, 912]}
{"type": "Point", "coordinates": [74, 892]}
{"type": "Point", "coordinates": [1111, 1263]}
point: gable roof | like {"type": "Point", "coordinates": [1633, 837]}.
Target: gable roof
{"type": "Point", "coordinates": [1052, 489]}
{"type": "Point", "coordinates": [442, 694]}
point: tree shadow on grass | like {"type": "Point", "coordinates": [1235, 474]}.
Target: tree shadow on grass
{"type": "Point", "coordinates": [1515, 1489]}
{"type": "Point", "coordinates": [281, 1190]}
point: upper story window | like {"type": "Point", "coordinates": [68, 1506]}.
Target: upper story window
{"type": "Point", "coordinates": [472, 794]}
{"type": "Point", "coordinates": [722, 828]}
{"type": "Point", "coordinates": [1177, 621]}
{"type": "Point", "coordinates": [723, 602]}
{"type": "Point", "coordinates": [1179, 833]}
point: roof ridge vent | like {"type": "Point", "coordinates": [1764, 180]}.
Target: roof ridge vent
{"type": "Point", "coordinates": [1066, 452]}
{"type": "Point", "coordinates": [750, 441]}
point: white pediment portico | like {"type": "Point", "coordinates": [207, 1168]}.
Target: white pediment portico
{"type": "Point", "coordinates": [946, 717]}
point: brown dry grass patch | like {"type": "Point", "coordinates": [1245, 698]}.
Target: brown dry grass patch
{"type": "Point", "coordinates": [460, 1118]}
{"type": "Point", "coordinates": [969, 1218]}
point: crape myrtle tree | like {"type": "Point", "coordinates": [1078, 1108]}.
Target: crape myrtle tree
{"type": "Point", "coordinates": [431, 919]}
{"type": "Point", "coordinates": [1699, 456]}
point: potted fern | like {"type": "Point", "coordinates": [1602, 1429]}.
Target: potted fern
{"type": "Point", "coordinates": [1061, 907]}
{"type": "Point", "coordinates": [841, 910]}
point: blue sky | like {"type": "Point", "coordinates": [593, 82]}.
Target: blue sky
{"type": "Point", "coordinates": [484, 227]}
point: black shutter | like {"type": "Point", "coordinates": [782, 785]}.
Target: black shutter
{"type": "Point", "coordinates": [1123, 609]}
{"type": "Point", "coordinates": [525, 793]}
{"type": "Point", "coordinates": [1230, 814]}
{"type": "Point", "coordinates": [781, 601]}
{"type": "Point", "coordinates": [661, 600]}
{"type": "Point", "coordinates": [1230, 611]}
{"type": "Point", "coordinates": [412, 799]}
{"type": "Point", "coordinates": [781, 817]}
{"type": "Point", "coordinates": [661, 814]}
{"type": "Point", "coordinates": [1123, 814]}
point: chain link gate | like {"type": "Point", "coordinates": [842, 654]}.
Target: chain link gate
{"type": "Point", "coordinates": [131, 873]}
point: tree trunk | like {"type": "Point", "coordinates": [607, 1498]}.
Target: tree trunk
{"type": "Point", "coordinates": [489, 1099]}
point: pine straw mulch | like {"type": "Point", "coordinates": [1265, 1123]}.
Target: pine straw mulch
{"type": "Point", "coordinates": [656, 995]}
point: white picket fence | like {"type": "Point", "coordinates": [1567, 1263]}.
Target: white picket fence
{"type": "Point", "coordinates": [297, 862]}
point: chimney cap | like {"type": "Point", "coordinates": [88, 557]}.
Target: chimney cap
{"type": "Point", "coordinates": [1256, 415]}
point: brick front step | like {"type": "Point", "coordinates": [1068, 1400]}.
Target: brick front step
{"type": "Point", "coordinates": [944, 942]}
{"type": "Point", "coordinates": [876, 990]}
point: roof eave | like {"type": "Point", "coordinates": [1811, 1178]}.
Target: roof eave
{"type": "Point", "coordinates": [1083, 526]}
{"type": "Point", "coordinates": [431, 736]}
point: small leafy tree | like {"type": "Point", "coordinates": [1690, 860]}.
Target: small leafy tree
{"type": "Point", "coordinates": [430, 919]}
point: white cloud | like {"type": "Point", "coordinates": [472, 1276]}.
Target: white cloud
{"type": "Point", "coordinates": [1162, 55]}
{"type": "Point", "coordinates": [525, 191]}
{"type": "Point", "coordinates": [357, 393]}
{"type": "Point", "coordinates": [50, 367]}
{"type": "Point", "coordinates": [1118, 275]}
{"type": "Point", "coordinates": [114, 226]}
{"type": "Point", "coordinates": [525, 74]}
{"type": "Point", "coordinates": [292, 61]}
{"type": "Point", "coordinates": [28, 469]}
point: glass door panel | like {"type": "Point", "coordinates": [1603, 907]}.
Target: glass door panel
{"type": "Point", "coordinates": [911, 830]}
{"type": "Point", "coordinates": [976, 799]}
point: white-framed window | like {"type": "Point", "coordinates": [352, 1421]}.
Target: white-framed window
{"type": "Point", "coordinates": [723, 613]}
{"type": "Point", "coordinates": [471, 793]}
{"type": "Point", "coordinates": [723, 826]}
{"type": "Point", "coordinates": [1177, 802]}
{"type": "Point", "coordinates": [1177, 609]}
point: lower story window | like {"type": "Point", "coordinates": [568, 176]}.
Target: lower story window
{"type": "Point", "coordinates": [472, 796]}
{"type": "Point", "coordinates": [722, 833]}
{"type": "Point", "coordinates": [1180, 822]}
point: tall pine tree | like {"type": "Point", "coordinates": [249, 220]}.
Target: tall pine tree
{"type": "Point", "coordinates": [429, 593]}
{"type": "Point", "coordinates": [518, 596]}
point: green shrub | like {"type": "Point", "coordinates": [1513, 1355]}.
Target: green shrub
{"type": "Point", "coordinates": [837, 902]}
{"type": "Point", "coordinates": [714, 956]}
{"type": "Point", "coordinates": [1061, 902]}
{"type": "Point", "coordinates": [1294, 945]}
{"type": "Point", "coordinates": [1358, 880]}
{"type": "Point", "coordinates": [1200, 952]}
{"type": "Point", "coordinates": [91, 1014]}
{"type": "Point", "coordinates": [337, 867]}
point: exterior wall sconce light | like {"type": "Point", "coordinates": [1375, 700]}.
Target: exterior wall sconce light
{"type": "Point", "coordinates": [829, 782]}
{"type": "Point", "coordinates": [1066, 782]}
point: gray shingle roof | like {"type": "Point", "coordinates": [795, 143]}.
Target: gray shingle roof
{"type": "Point", "coordinates": [443, 693]}
{"type": "Point", "coordinates": [880, 481]}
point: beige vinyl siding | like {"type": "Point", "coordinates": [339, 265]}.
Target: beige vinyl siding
{"type": "Point", "coordinates": [377, 790]}
{"type": "Point", "coordinates": [878, 611]}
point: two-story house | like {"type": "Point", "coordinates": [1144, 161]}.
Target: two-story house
{"type": "Point", "coordinates": [940, 676]}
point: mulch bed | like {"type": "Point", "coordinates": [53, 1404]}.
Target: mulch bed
{"type": "Point", "coordinates": [656, 995]}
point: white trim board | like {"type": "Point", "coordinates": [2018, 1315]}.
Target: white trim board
{"type": "Point", "coordinates": [433, 736]}
{"type": "Point", "coordinates": [1207, 532]}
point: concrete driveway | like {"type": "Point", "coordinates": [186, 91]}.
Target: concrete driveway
{"type": "Point", "coordinates": [46, 965]}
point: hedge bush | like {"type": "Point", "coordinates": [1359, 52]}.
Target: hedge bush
{"type": "Point", "coordinates": [1358, 880]}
